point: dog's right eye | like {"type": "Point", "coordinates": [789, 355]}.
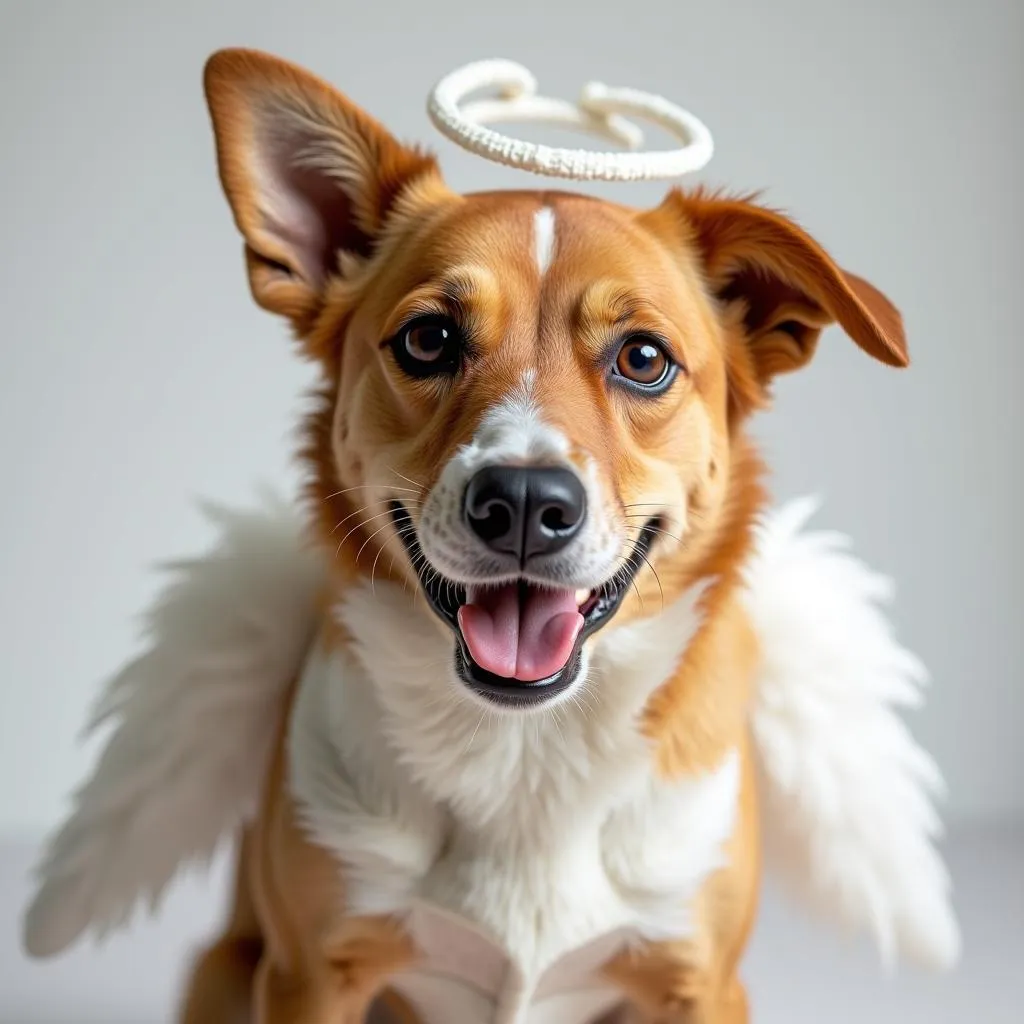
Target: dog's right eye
{"type": "Point", "coordinates": [428, 346]}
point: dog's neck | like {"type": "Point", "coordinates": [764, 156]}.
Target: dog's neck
{"type": "Point", "coordinates": [510, 777]}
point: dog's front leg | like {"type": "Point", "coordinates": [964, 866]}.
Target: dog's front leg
{"type": "Point", "coordinates": [714, 1004]}
{"type": "Point", "coordinates": [727, 1005]}
{"type": "Point", "coordinates": [334, 982]}
{"type": "Point", "coordinates": [327, 995]}
{"type": "Point", "coordinates": [668, 984]}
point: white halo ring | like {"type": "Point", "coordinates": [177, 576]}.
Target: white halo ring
{"type": "Point", "coordinates": [600, 110]}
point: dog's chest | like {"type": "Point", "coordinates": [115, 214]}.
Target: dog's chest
{"type": "Point", "coordinates": [524, 852]}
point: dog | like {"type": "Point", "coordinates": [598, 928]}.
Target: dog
{"type": "Point", "coordinates": [500, 725]}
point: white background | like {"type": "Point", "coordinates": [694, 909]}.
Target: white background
{"type": "Point", "coordinates": [137, 374]}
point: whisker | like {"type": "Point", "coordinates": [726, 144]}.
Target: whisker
{"type": "Point", "coordinates": [416, 560]}
{"type": "Point", "coordinates": [358, 526]}
{"type": "Point", "coordinates": [365, 487]}
{"type": "Point", "coordinates": [365, 522]}
{"type": "Point", "coordinates": [407, 479]}
{"type": "Point", "coordinates": [638, 594]}
{"type": "Point", "coordinates": [363, 509]}
{"type": "Point", "coordinates": [405, 578]}
{"type": "Point", "coordinates": [373, 568]}
{"type": "Point", "coordinates": [654, 529]}
{"type": "Point", "coordinates": [654, 504]}
{"type": "Point", "coordinates": [556, 721]}
{"type": "Point", "coordinates": [657, 578]}
{"type": "Point", "coordinates": [483, 714]}
{"type": "Point", "coordinates": [433, 573]}
{"type": "Point", "coordinates": [584, 710]}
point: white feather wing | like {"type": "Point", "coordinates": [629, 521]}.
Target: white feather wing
{"type": "Point", "coordinates": [848, 794]}
{"type": "Point", "coordinates": [193, 720]}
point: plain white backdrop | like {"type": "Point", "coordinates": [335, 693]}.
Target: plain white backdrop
{"type": "Point", "coordinates": [137, 374]}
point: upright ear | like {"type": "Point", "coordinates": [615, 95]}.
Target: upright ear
{"type": "Point", "coordinates": [308, 174]}
{"type": "Point", "coordinates": [789, 288]}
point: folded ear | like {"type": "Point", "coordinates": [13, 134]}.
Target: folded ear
{"type": "Point", "coordinates": [789, 287]}
{"type": "Point", "coordinates": [308, 174]}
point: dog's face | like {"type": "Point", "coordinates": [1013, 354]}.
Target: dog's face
{"type": "Point", "coordinates": [533, 399]}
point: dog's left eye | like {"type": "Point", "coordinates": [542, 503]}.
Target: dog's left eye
{"type": "Point", "coordinates": [644, 363]}
{"type": "Point", "coordinates": [428, 346]}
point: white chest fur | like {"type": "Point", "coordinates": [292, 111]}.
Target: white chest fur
{"type": "Point", "coordinates": [547, 834]}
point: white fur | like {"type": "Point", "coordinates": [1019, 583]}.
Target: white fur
{"type": "Point", "coordinates": [514, 431]}
{"type": "Point", "coordinates": [540, 810]}
{"type": "Point", "coordinates": [847, 791]}
{"type": "Point", "coordinates": [195, 719]}
{"type": "Point", "coordinates": [544, 238]}
{"type": "Point", "coordinates": [352, 799]}
{"type": "Point", "coordinates": [546, 832]}
{"type": "Point", "coordinates": [514, 428]}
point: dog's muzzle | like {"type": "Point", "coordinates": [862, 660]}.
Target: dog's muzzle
{"type": "Point", "coordinates": [519, 643]}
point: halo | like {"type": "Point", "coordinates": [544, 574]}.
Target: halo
{"type": "Point", "coordinates": [600, 110]}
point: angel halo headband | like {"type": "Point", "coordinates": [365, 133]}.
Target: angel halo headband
{"type": "Point", "coordinates": [600, 110]}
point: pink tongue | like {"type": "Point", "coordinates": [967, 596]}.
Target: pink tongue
{"type": "Point", "coordinates": [526, 640]}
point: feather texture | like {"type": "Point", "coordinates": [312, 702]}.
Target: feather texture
{"type": "Point", "coordinates": [193, 720]}
{"type": "Point", "coordinates": [848, 794]}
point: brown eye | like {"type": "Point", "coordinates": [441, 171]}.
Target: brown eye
{"type": "Point", "coordinates": [429, 346]}
{"type": "Point", "coordinates": [427, 342]}
{"type": "Point", "coordinates": [643, 362]}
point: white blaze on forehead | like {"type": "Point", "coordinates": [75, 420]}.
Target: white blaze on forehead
{"type": "Point", "coordinates": [544, 238]}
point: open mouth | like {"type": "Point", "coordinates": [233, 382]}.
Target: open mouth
{"type": "Point", "coordinates": [518, 643]}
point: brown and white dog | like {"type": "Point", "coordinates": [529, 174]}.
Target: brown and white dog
{"type": "Point", "coordinates": [491, 741]}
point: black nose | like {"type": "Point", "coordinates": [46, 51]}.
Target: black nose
{"type": "Point", "coordinates": [525, 510]}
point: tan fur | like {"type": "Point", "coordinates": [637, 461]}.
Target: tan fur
{"type": "Point", "coordinates": [739, 293]}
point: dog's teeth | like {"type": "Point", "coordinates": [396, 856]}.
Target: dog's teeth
{"type": "Point", "coordinates": [581, 597]}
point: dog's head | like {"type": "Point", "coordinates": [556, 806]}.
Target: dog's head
{"type": "Point", "coordinates": [533, 400]}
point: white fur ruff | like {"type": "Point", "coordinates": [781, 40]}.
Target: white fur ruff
{"type": "Point", "coordinates": [847, 792]}
{"type": "Point", "coordinates": [195, 716]}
